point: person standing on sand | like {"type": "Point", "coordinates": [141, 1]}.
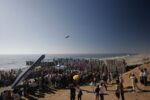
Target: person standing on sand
{"type": "Point", "coordinates": [102, 91]}
{"type": "Point", "coordinates": [111, 77]}
{"type": "Point", "coordinates": [119, 90]}
{"type": "Point", "coordinates": [94, 81]}
{"type": "Point", "coordinates": [133, 81]}
{"type": "Point", "coordinates": [141, 76]}
{"type": "Point", "coordinates": [79, 91]}
{"type": "Point", "coordinates": [102, 81]}
{"type": "Point", "coordinates": [121, 79]}
{"type": "Point", "coordinates": [145, 76]}
{"type": "Point", "coordinates": [72, 93]}
{"type": "Point", "coordinates": [97, 90]}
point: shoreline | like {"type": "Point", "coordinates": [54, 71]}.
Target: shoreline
{"type": "Point", "coordinates": [80, 58]}
{"type": "Point", "coordinates": [137, 59]}
{"type": "Point", "coordinates": [134, 59]}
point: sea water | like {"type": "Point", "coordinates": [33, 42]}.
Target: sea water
{"type": "Point", "coordinates": [8, 62]}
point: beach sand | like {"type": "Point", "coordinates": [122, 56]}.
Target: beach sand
{"type": "Point", "coordinates": [64, 95]}
{"type": "Point", "coordinates": [129, 95]}
{"type": "Point", "coordinates": [136, 59]}
{"type": "Point", "coordinates": [143, 94]}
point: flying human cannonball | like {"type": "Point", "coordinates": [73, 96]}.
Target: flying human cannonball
{"type": "Point", "coordinates": [76, 77]}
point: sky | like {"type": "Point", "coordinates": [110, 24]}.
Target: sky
{"type": "Point", "coordinates": [94, 26]}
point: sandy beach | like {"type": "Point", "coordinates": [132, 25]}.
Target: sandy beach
{"type": "Point", "coordinates": [143, 94]}
{"type": "Point", "coordinates": [49, 49]}
{"type": "Point", "coordinates": [136, 59]}
{"type": "Point", "coordinates": [64, 95]}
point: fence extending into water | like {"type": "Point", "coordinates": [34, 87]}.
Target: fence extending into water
{"type": "Point", "coordinates": [109, 65]}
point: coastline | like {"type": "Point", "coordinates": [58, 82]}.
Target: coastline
{"type": "Point", "coordinates": [12, 62]}
{"type": "Point", "coordinates": [137, 59]}
{"type": "Point", "coordinates": [131, 60]}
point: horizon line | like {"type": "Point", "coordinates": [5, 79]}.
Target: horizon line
{"type": "Point", "coordinates": [60, 53]}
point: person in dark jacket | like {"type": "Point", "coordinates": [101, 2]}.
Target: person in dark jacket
{"type": "Point", "coordinates": [79, 93]}
{"type": "Point", "coordinates": [119, 90]}
{"type": "Point", "coordinates": [97, 90]}
{"type": "Point", "coordinates": [72, 92]}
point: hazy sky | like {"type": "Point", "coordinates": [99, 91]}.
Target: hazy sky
{"type": "Point", "coordinates": [95, 26]}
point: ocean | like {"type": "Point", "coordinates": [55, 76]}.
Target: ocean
{"type": "Point", "coordinates": [8, 62]}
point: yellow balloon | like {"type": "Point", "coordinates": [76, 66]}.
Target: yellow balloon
{"type": "Point", "coordinates": [76, 77]}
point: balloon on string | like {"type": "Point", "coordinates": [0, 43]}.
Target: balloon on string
{"type": "Point", "coordinates": [76, 77]}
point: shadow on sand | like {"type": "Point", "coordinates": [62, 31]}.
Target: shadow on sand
{"type": "Point", "coordinates": [129, 89]}
{"type": "Point", "coordinates": [148, 83]}
{"type": "Point", "coordinates": [40, 93]}
{"type": "Point", "coordinates": [145, 90]}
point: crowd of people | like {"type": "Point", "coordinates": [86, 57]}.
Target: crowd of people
{"type": "Point", "coordinates": [41, 78]}
{"type": "Point", "coordinates": [100, 88]}
{"type": "Point", "coordinates": [8, 77]}
{"type": "Point", "coordinates": [101, 85]}
{"type": "Point", "coordinates": [143, 75]}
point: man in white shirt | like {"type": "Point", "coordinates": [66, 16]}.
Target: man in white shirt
{"type": "Point", "coordinates": [133, 78]}
{"type": "Point", "coordinates": [101, 92]}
